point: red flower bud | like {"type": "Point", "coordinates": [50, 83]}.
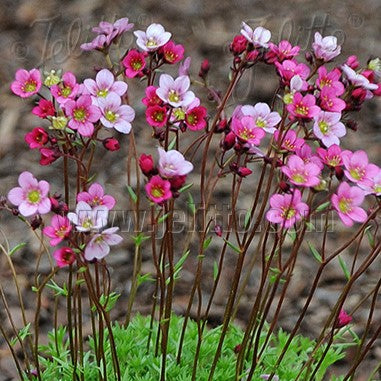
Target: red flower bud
{"type": "Point", "coordinates": [237, 348]}
{"type": "Point", "coordinates": [343, 319]}
{"type": "Point", "coordinates": [238, 45]}
{"type": "Point", "coordinates": [284, 186]}
{"type": "Point", "coordinates": [228, 141]}
{"type": "Point", "coordinates": [48, 156]}
{"type": "Point", "coordinates": [111, 144]}
{"type": "Point", "coordinates": [221, 125]}
{"type": "Point", "coordinates": [218, 230]}
{"type": "Point", "coordinates": [339, 173]}
{"type": "Point", "coordinates": [177, 182]}
{"type": "Point", "coordinates": [204, 69]}
{"type": "Point", "coordinates": [146, 164]}
{"type": "Point", "coordinates": [353, 62]}
{"type": "Point", "coordinates": [244, 171]}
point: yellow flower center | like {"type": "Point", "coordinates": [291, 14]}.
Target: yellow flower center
{"type": "Point", "coordinates": [345, 205]}
{"type": "Point", "coordinates": [179, 113]}
{"type": "Point", "coordinates": [323, 126]}
{"type": "Point", "coordinates": [34, 196]}
{"type": "Point", "coordinates": [111, 116]}
{"type": "Point", "coordinates": [65, 91]}
{"type": "Point", "coordinates": [87, 223]}
{"type": "Point", "coordinates": [302, 110]}
{"type": "Point", "coordinates": [102, 93]}
{"type": "Point", "coordinates": [246, 134]}
{"type": "Point", "coordinates": [173, 96]}
{"type": "Point", "coordinates": [261, 122]}
{"type": "Point", "coordinates": [151, 43]}
{"type": "Point", "coordinates": [288, 213]}
{"type": "Point", "coordinates": [80, 114]}
{"type": "Point", "coordinates": [357, 173]}
{"type": "Point", "coordinates": [30, 86]}
{"type": "Point", "coordinates": [157, 191]}
{"type": "Point", "coordinates": [298, 178]}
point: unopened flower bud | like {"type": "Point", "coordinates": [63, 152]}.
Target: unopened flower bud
{"type": "Point", "coordinates": [36, 222]}
{"type": "Point", "coordinates": [111, 144]}
{"type": "Point", "coordinates": [221, 125]}
{"type": "Point", "coordinates": [59, 122]}
{"type": "Point", "coordinates": [321, 186]}
{"type": "Point", "coordinates": [146, 164]}
{"type": "Point", "coordinates": [353, 62]}
{"type": "Point", "coordinates": [237, 348]}
{"type": "Point", "coordinates": [218, 230]}
{"type": "Point", "coordinates": [238, 45]}
{"type": "Point", "coordinates": [352, 124]}
{"type": "Point", "coordinates": [284, 186]}
{"type": "Point", "coordinates": [343, 319]}
{"type": "Point", "coordinates": [244, 171]}
{"type": "Point", "coordinates": [339, 173]}
{"type": "Point", "coordinates": [177, 182]}
{"type": "Point", "coordinates": [229, 141]}
{"type": "Point", "coordinates": [204, 69]}
{"type": "Point", "coordinates": [309, 57]}
{"type": "Point", "coordinates": [51, 78]}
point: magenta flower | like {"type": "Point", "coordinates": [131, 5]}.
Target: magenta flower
{"type": "Point", "coordinates": [305, 153]}
{"type": "Point", "coordinates": [245, 129]}
{"type": "Point", "coordinates": [95, 196]}
{"type": "Point", "coordinates": [329, 102]}
{"type": "Point", "coordinates": [195, 118]}
{"type": "Point", "coordinates": [330, 80]}
{"type": "Point", "coordinates": [26, 83]}
{"type": "Point", "coordinates": [343, 319]}
{"type": "Point", "coordinates": [156, 116]}
{"type": "Point", "coordinates": [31, 196]}
{"type": "Point", "coordinates": [44, 109]}
{"type": "Point", "coordinates": [289, 68]}
{"type": "Point", "coordinates": [287, 209]}
{"type": "Point", "coordinates": [328, 128]}
{"type": "Point", "coordinates": [259, 37]}
{"type": "Point", "coordinates": [134, 63]}
{"type": "Point", "coordinates": [331, 156]}
{"type": "Point", "coordinates": [58, 230]}
{"type": "Point", "coordinates": [374, 186]}
{"type": "Point", "coordinates": [158, 189]}
{"type": "Point", "coordinates": [83, 114]}
{"type": "Point", "coordinates": [326, 48]}
{"type": "Point", "coordinates": [172, 163]}
{"type": "Point", "coordinates": [346, 201]}
{"type": "Point", "coordinates": [358, 80]}
{"type": "Point", "coordinates": [154, 37]}
{"type": "Point", "coordinates": [357, 167]}
{"type": "Point", "coordinates": [151, 98]}
{"type": "Point", "coordinates": [48, 156]}
{"type": "Point", "coordinates": [64, 256]}
{"type": "Point", "coordinates": [87, 218]}
{"type": "Point", "coordinates": [37, 138]}
{"type": "Point", "coordinates": [104, 84]}
{"type": "Point", "coordinates": [172, 53]}
{"type": "Point", "coordinates": [68, 89]}
{"type": "Point", "coordinates": [99, 246]}
{"type": "Point", "coordinates": [303, 107]}
{"type": "Point", "coordinates": [300, 173]}
{"type": "Point", "coordinates": [281, 52]}
{"type": "Point", "coordinates": [290, 140]}
{"type": "Point", "coordinates": [115, 115]}
{"type": "Point", "coordinates": [175, 91]}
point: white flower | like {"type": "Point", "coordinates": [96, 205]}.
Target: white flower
{"type": "Point", "coordinates": [258, 37]}
{"type": "Point", "coordinates": [154, 37]}
{"type": "Point", "coordinates": [325, 48]}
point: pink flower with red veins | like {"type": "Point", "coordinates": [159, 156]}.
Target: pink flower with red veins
{"type": "Point", "coordinates": [68, 89]}
{"type": "Point", "coordinates": [331, 80]}
{"type": "Point", "coordinates": [281, 52]}
{"type": "Point", "coordinates": [300, 173]}
{"type": "Point", "coordinates": [87, 218]}
{"type": "Point", "coordinates": [134, 63]}
{"type": "Point", "coordinates": [326, 48]}
{"type": "Point", "coordinates": [331, 156]}
{"type": "Point", "coordinates": [64, 256]}
{"type": "Point", "coordinates": [31, 196]}
{"type": "Point", "coordinates": [259, 37]}
{"type": "Point", "coordinates": [290, 141]}
{"type": "Point", "coordinates": [26, 83]}
{"type": "Point", "coordinates": [305, 153]}
{"type": "Point", "coordinates": [195, 118]}
{"type": "Point", "coordinates": [37, 138]}
{"type": "Point", "coordinates": [175, 91]}
{"type": "Point", "coordinates": [346, 202]}
{"type": "Point", "coordinates": [358, 80]}
{"type": "Point", "coordinates": [158, 189]}
{"type": "Point", "coordinates": [343, 319]}
{"type": "Point", "coordinates": [153, 38]}
{"type": "Point", "coordinates": [104, 84]}
{"type": "Point", "coordinates": [289, 68]}
{"type": "Point", "coordinates": [98, 43]}
{"type": "Point", "coordinates": [58, 230]}
{"type": "Point", "coordinates": [83, 114]}
{"type": "Point", "coordinates": [95, 196]}
{"type": "Point", "coordinates": [114, 114]}
{"type": "Point", "coordinates": [246, 130]}
{"type": "Point", "coordinates": [172, 53]}
{"type": "Point", "coordinates": [328, 128]}
{"type": "Point", "coordinates": [172, 163]}
{"type": "Point", "coordinates": [156, 116]}
{"type": "Point", "coordinates": [151, 98]}
{"type": "Point", "coordinates": [48, 156]}
{"type": "Point", "coordinates": [357, 167]}
{"type": "Point", "coordinates": [287, 209]}
{"type": "Point", "coordinates": [99, 246]}
{"type": "Point", "coordinates": [329, 102]}
{"type": "Point", "coordinates": [303, 107]}
{"type": "Point", "coordinates": [374, 187]}
{"type": "Point", "coordinates": [44, 109]}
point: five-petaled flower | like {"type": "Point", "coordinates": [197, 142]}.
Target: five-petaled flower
{"type": "Point", "coordinates": [172, 163]}
{"type": "Point", "coordinates": [99, 245]}
{"type": "Point", "coordinates": [158, 189]}
{"type": "Point", "coordinates": [175, 91]}
{"type": "Point", "coordinates": [58, 230]}
{"type": "Point", "coordinates": [153, 38]}
{"type": "Point", "coordinates": [26, 83]}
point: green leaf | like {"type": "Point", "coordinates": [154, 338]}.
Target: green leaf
{"type": "Point", "coordinates": [232, 246]}
{"type": "Point", "coordinates": [22, 334]}
{"type": "Point", "coordinates": [315, 253]}
{"type": "Point", "coordinates": [215, 270]}
{"type": "Point", "coordinates": [17, 247]}
{"type": "Point", "coordinates": [323, 206]}
{"type": "Point", "coordinates": [144, 278]}
{"type": "Point", "coordinates": [191, 204]}
{"type": "Point", "coordinates": [247, 218]}
{"type": "Point", "coordinates": [172, 143]}
{"type": "Point", "coordinates": [344, 267]}
{"type": "Point", "coordinates": [163, 218]}
{"type": "Point", "coordinates": [185, 187]}
{"type": "Point", "coordinates": [132, 194]}
{"type": "Point", "coordinates": [57, 289]}
{"type": "Point", "coordinates": [139, 239]}
{"type": "Point", "coordinates": [207, 242]}
{"type": "Point", "coordinates": [370, 236]}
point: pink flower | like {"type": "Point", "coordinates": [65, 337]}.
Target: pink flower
{"type": "Point", "coordinates": [68, 89]}
{"type": "Point", "coordinates": [343, 319]}
{"type": "Point", "coordinates": [195, 118]}
{"type": "Point", "coordinates": [330, 80]}
{"type": "Point", "coordinates": [134, 63]}
{"type": "Point", "coordinates": [326, 48]}
{"type": "Point", "coordinates": [158, 190]}
{"type": "Point", "coordinates": [246, 130]}
{"type": "Point", "coordinates": [175, 91]}
{"type": "Point", "coordinates": [331, 156]}
{"type": "Point", "coordinates": [156, 116]}
{"type": "Point", "coordinates": [281, 52]}
{"type": "Point", "coordinates": [64, 256]}
{"type": "Point", "coordinates": [290, 140]}
{"type": "Point", "coordinates": [289, 68]}
{"type": "Point", "coordinates": [95, 196]}
{"type": "Point", "coordinates": [303, 107]}
{"type": "Point", "coordinates": [37, 138]}
{"type": "Point", "coordinates": [58, 230]}
{"type": "Point", "coordinates": [305, 153]}
{"type": "Point", "coordinates": [328, 128]}
{"type": "Point", "coordinates": [287, 209]}
{"type": "Point", "coordinates": [26, 83]}
{"type": "Point", "coordinates": [114, 114]}
{"type": "Point", "coordinates": [83, 114]}
{"type": "Point", "coordinates": [357, 167]}
{"type": "Point", "coordinates": [300, 173]}
{"type": "Point", "coordinates": [99, 246]}
{"type": "Point", "coordinates": [346, 201]}
{"type": "Point", "coordinates": [172, 163]}
{"type": "Point", "coordinates": [98, 43]}
{"type": "Point", "coordinates": [154, 37]}
{"type": "Point", "coordinates": [172, 53]}
{"type": "Point", "coordinates": [259, 37]}
{"type": "Point", "coordinates": [44, 109]}
{"type": "Point", "coordinates": [48, 156]}
{"type": "Point", "coordinates": [104, 84]}
{"type": "Point", "coordinates": [184, 67]}
{"type": "Point", "coordinates": [374, 186]}
{"type": "Point", "coordinates": [151, 98]}
{"type": "Point", "coordinates": [329, 102]}
{"type": "Point", "coordinates": [358, 80]}
{"type": "Point", "coordinates": [31, 196]}
{"type": "Point", "coordinates": [87, 218]}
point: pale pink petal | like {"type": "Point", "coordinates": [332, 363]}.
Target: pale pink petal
{"type": "Point", "coordinates": [16, 196]}
{"type": "Point", "coordinates": [27, 209]}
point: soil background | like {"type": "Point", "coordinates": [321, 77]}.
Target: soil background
{"type": "Point", "coordinates": [47, 34]}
